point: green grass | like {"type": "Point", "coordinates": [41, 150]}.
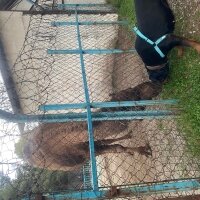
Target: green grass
{"type": "Point", "coordinates": [125, 9]}
{"type": "Point", "coordinates": [184, 83]}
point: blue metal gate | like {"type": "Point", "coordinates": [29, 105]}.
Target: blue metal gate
{"type": "Point", "coordinates": [169, 186]}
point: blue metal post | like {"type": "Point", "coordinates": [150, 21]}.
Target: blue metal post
{"type": "Point", "coordinates": [89, 115]}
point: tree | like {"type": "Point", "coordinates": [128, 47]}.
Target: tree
{"type": "Point", "coordinates": [4, 180]}
{"type": "Point", "coordinates": [32, 180]}
{"type": "Point", "coordinates": [6, 189]}
{"type": "Point", "coordinates": [19, 147]}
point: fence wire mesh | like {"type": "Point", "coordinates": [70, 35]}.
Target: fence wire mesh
{"type": "Point", "coordinates": [45, 158]}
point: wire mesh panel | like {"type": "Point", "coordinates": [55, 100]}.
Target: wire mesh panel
{"type": "Point", "coordinates": [47, 80]}
{"type": "Point", "coordinates": [139, 148]}
{"type": "Point", "coordinates": [68, 5]}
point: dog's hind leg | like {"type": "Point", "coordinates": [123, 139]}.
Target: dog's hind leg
{"type": "Point", "coordinates": [181, 41]}
{"type": "Point", "coordinates": [110, 141]}
{"type": "Point", "coordinates": [117, 148]}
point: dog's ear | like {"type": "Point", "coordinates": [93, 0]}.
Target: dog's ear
{"type": "Point", "coordinates": [149, 90]}
{"type": "Point", "coordinates": [125, 95]}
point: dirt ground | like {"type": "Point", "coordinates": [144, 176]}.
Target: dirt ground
{"type": "Point", "coordinates": [184, 198]}
{"type": "Point", "coordinates": [188, 13]}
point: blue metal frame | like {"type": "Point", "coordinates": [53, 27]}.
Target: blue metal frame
{"type": "Point", "coordinates": [134, 190]}
{"type": "Point", "coordinates": [144, 189]}
{"type": "Point", "coordinates": [139, 189]}
{"type": "Point", "coordinates": [90, 51]}
{"type": "Point", "coordinates": [108, 104]}
{"type": "Point", "coordinates": [83, 5]}
{"type": "Point", "coordinates": [101, 116]}
{"type": "Point", "coordinates": [89, 23]}
{"type": "Point", "coordinates": [89, 115]}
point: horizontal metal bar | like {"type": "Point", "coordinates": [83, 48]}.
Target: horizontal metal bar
{"type": "Point", "coordinates": [70, 12]}
{"type": "Point", "coordinates": [133, 103]}
{"type": "Point", "coordinates": [108, 104]}
{"type": "Point", "coordinates": [130, 115]}
{"type": "Point", "coordinates": [101, 116]}
{"type": "Point", "coordinates": [90, 51]}
{"type": "Point", "coordinates": [142, 189]}
{"type": "Point", "coordinates": [63, 106]}
{"type": "Point", "coordinates": [88, 23]}
{"type": "Point", "coordinates": [79, 195]}
{"type": "Point", "coordinates": [156, 188]}
{"type": "Point", "coordinates": [83, 5]}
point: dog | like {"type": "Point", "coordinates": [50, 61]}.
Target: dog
{"type": "Point", "coordinates": [155, 38]}
{"type": "Point", "coordinates": [65, 146]}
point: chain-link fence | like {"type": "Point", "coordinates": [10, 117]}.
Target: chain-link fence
{"type": "Point", "coordinates": [134, 145]}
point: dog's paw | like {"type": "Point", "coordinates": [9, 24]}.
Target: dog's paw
{"type": "Point", "coordinates": [145, 150]}
{"type": "Point", "coordinates": [129, 135]}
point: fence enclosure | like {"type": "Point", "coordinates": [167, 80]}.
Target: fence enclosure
{"type": "Point", "coordinates": [68, 69]}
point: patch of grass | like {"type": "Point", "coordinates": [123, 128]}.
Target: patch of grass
{"type": "Point", "coordinates": [125, 9]}
{"type": "Point", "coordinates": [184, 81]}
{"type": "Point", "coordinates": [184, 85]}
